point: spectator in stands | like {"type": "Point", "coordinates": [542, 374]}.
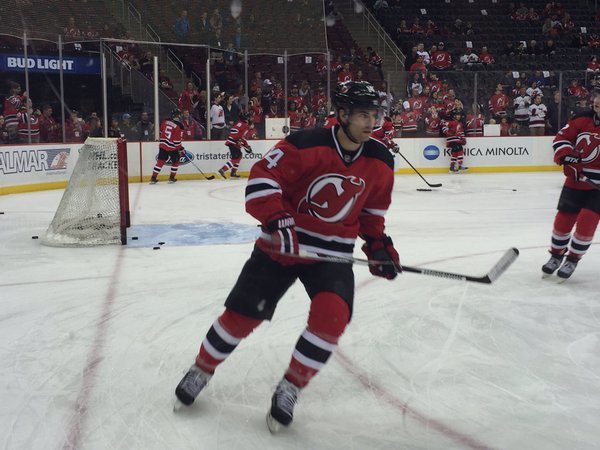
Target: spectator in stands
{"type": "Point", "coordinates": [256, 114]}
{"type": "Point", "coordinates": [470, 30]}
{"type": "Point", "coordinates": [537, 77]}
{"type": "Point", "coordinates": [203, 28]}
{"type": "Point", "coordinates": [50, 129]}
{"type": "Point", "coordinates": [593, 66]}
{"type": "Point", "coordinates": [165, 82]}
{"type": "Point", "coordinates": [567, 23]}
{"type": "Point", "coordinates": [75, 127]}
{"type": "Point", "coordinates": [28, 128]}
{"type": "Point", "coordinates": [457, 27]}
{"type": "Point", "coordinates": [216, 23]}
{"type": "Point", "coordinates": [192, 130]}
{"type": "Point", "coordinates": [474, 121]}
{"type": "Point", "coordinates": [424, 53]}
{"type": "Point", "coordinates": [441, 58]}
{"type": "Point", "coordinates": [182, 26]}
{"type": "Point", "coordinates": [431, 29]}
{"type": "Point", "coordinates": [231, 110]}
{"type": "Point", "coordinates": [273, 112]}
{"type": "Point", "coordinates": [579, 41]}
{"type": "Point", "coordinates": [127, 127]}
{"type": "Point", "coordinates": [416, 83]}
{"type": "Point", "coordinates": [534, 90]}
{"type": "Point", "coordinates": [504, 126]}
{"type": "Point", "coordinates": [418, 67]}
{"type": "Point", "coordinates": [470, 60]}
{"type": "Point", "coordinates": [514, 129]}
{"type": "Point", "coordinates": [345, 74]}
{"type": "Point", "coordinates": [417, 27]}
{"type": "Point", "coordinates": [3, 131]}
{"type": "Point", "coordinates": [71, 31]}
{"type": "Point", "coordinates": [549, 47]}
{"type": "Point", "coordinates": [144, 129]}
{"type": "Point", "coordinates": [575, 90]}
{"type": "Point", "coordinates": [521, 108]}
{"type": "Point", "coordinates": [534, 49]}
{"type": "Point", "coordinates": [12, 105]}
{"type": "Point", "coordinates": [230, 56]}
{"type": "Point", "coordinates": [557, 114]}
{"type": "Point", "coordinates": [498, 103]}
{"type": "Point", "coordinates": [114, 131]}
{"type": "Point", "coordinates": [189, 97]}
{"type": "Point", "coordinates": [95, 126]}
{"type": "Point", "coordinates": [509, 49]}
{"type": "Point", "coordinates": [218, 130]}
{"type": "Point", "coordinates": [486, 58]}
{"type": "Point", "coordinates": [147, 64]}
{"type": "Point", "coordinates": [537, 117]}
{"type": "Point", "coordinates": [549, 30]}
{"type": "Point", "coordinates": [376, 61]}
{"type": "Point", "coordinates": [532, 16]}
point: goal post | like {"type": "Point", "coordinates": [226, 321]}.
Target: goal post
{"type": "Point", "coordinates": [94, 209]}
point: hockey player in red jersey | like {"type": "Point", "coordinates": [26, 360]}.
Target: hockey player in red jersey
{"type": "Point", "coordinates": [235, 142]}
{"type": "Point", "coordinates": [454, 131]}
{"type": "Point", "coordinates": [315, 191]}
{"type": "Point", "coordinates": [171, 133]}
{"type": "Point", "coordinates": [577, 149]}
{"type": "Point", "coordinates": [385, 133]}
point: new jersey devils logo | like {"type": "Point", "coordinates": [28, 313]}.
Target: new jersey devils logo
{"type": "Point", "coordinates": [331, 197]}
{"type": "Point", "coordinates": [588, 145]}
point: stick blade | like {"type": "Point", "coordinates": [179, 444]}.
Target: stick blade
{"type": "Point", "coordinates": [436, 185]}
{"type": "Point", "coordinates": [502, 265]}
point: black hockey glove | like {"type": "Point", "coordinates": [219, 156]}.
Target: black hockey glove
{"type": "Point", "coordinates": [382, 250]}
{"type": "Point", "coordinates": [248, 149]}
{"type": "Point", "coordinates": [284, 240]}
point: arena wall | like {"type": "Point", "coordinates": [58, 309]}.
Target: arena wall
{"type": "Point", "coordinates": [25, 168]}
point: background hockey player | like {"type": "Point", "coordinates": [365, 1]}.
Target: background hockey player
{"type": "Point", "coordinates": [170, 148]}
{"type": "Point", "coordinates": [454, 131]}
{"type": "Point", "coordinates": [316, 190]}
{"type": "Point", "coordinates": [576, 148]}
{"type": "Point", "coordinates": [235, 142]}
{"type": "Point", "coordinates": [385, 133]}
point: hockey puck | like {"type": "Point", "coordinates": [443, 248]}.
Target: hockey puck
{"type": "Point", "coordinates": [34, 237]}
{"type": "Point", "coordinates": [514, 190]}
{"type": "Point", "coordinates": [161, 243]}
{"type": "Point", "coordinates": [134, 238]}
{"type": "Point", "coordinates": [155, 248]}
{"type": "Point", "coordinates": [423, 190]}
{"type": "Point", "coordinates": [1, 212]}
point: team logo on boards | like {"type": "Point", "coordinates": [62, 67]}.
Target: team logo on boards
{"type": "Point", "coordinates": [189, 156]}
{"type": "Point", "coordinates": [431, 152]}
{"type": "Point", "coordinates": [331, 197]}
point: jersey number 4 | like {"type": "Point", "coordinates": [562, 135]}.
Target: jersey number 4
{"type": "Point", "coordinates": [274, 155]}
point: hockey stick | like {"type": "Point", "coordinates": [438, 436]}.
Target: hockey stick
{"type": "Point", "coordinates": [208, 177]}
{"type": "Point", "coordinates": [436, 185]}
{"type": "Point", "coordinates": [492, 275]}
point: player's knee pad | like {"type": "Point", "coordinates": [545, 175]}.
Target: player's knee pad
{"type": "Point", "coordinates": [328, 316]}
{"type": "Point", "coordinates": [237, 324]}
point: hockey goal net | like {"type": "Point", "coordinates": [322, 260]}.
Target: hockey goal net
{"type": "Point", "coordinates": [94, 209]}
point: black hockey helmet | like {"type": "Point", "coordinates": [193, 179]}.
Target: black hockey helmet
{"type": "Point", "coordinates": [356, 94]}
{"type": "Point", "coordinates": [244, 116]}
{"type": "Point", "coordinates": [175, 113]}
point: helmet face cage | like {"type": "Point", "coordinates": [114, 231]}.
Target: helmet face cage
{"type": "Point", "coordinates": [175, 113]}
{"type": "Point", "coordinates": [356, 94]}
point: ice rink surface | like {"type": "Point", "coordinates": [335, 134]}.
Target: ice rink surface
{"type": "Point", "coordinates": [94, 340]}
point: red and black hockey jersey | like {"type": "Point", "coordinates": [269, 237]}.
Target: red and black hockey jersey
{"type": "Point", "coordinates": [454, 132]}
{"type": "Point", "coordinates": [580, 137]}
{"type": "Point", "coordinates": [385, 133]}
{"type": "Point", "coordinates": [171, 133]}
{"type": "Point", "coordinates": [332, 194]}
{"type": "Point", "coordinates": [237, 135]}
